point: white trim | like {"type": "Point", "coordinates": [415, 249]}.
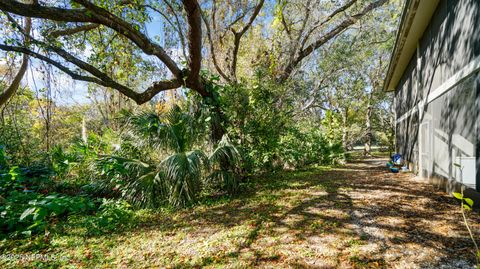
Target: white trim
{"type": "Point", "coordinates": [458, 77]}
{"type": "Point", "coordinates": [407, 114]}
{"type": "Point", "coordinates": [473, 66]}
{"type": "Point", "coordinates": [425, 135]}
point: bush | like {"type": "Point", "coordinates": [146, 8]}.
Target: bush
{"type": "Point", "coordinates": [173, 169]}
{"type": "Point", "coordinates": [259, 114]}
{"type": "Point", "coordinates": [71, 164]}
{"type": "Point", "coordinates": [25, 205]}
{"type": "Point", "coordinates": [262, 122]}
{"type": "Point", "coordinates": [300, 148]}
{"type": "Point", "coordinates": [110, 216]}
{"type": "Point", "coordinates": [29, 212]}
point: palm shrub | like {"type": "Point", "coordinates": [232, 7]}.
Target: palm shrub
{"type": "Point", "coordinates": [171, 165]}
{"type": "Point", "coordinates": [135, 181]}
{"type": "Point", "coordinates": [224, 161]}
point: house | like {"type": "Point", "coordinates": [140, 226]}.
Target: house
{"type": "Point", "coordinates": [434, 72]}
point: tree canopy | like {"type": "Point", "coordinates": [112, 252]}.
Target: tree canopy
{"type": "Point", "coordinates": [66, 31]}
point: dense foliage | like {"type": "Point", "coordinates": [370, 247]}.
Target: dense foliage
{"type": "Point", "coordinates": [158, 156]}
{"type": "Point", "coordinates": [31, 204]}
{"type": "Point", "coordinates": [90, 155]}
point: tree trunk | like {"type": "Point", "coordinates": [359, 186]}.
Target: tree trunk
{"type": "Point", "coordinates": [368, 135]}
{"type": "Point", "coordinates": [345, 129]}
{"type": "Point", "coordinates": [217, 124]}
{"type": "Point", "coordinates": [12, 89]}
{"type": "Point", "coordinates": [84, 130]}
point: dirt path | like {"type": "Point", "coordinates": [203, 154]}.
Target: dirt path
{"type": "Point", "coordinates": [406, 223]}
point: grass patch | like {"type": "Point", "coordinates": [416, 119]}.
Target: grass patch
{"type": "Point", "coordinates": [280, 220]}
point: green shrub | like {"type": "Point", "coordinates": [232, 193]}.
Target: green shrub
{"type": "Point", "coordinates": [110, 216]}
{"type": "Point", "coordinates": [25, 205]}
{"type": "Point", "coordinates": [261, 121]}
{"type": "Point", "coordinates": [3, 158]}
{"type": "Point", "coordinates": [29, 212]}
{"type": "Point", "coordinates": [173, 168]}
{"type": "Point", "coordinates": [300, 148]}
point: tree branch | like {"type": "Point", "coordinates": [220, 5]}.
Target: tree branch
{"type": "Point", "coordinates": [238, 36]}
{"type": "Point", "coordinates": [12, 89]}
{"type": "Point", "coordinates": [128, 30]}
{"type": "Point", "coordinates": [194, 44]}
{"type": "Point", "coordinates": [327, 37]}
{"type": "Point", "coordinates": [329, 18]}
{"type": "Point", "coordinates": [58, 65]}
{"type": "Point", "coordinates": [237, 19]}
{"type": "Point", "coordinates": [72, 31]}
{"type": "Point", "coordinates": [100, 78]}
{"type": "Point", "coordinates": [212, 49]}
{"type": "Point", "coordinates": [296, 45]}
{"type": "Point", "coordinates": [97, 15]}
{"type": "Point", "coordinates": [177, 27]}
{"type": "Point", "coordinates": [180, 32]}
{"type": "Point", "coordinates": [93, 14]}
{"type": "Point", "coordinates": [285, 25]}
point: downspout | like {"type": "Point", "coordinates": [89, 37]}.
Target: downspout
{"type": "Point", "coordinates": [394, 108]}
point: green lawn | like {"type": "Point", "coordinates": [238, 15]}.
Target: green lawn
{"type": "Point", "coordinates": [305, 219]}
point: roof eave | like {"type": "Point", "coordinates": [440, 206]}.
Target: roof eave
{"type": "Point", "coordinates": [415, 19]}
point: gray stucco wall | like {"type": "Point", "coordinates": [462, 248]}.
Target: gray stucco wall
{"type": "Point", "coordinates": [444, 130]}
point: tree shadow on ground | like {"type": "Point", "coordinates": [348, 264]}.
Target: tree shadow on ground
{"type": "Point", "coordinates": [322, 192]}
{"type": "Point", "coordinates": [307, 214]}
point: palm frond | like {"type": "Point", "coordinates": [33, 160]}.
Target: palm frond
{"type": "Point", "coordinates": [148, 190]}
{"type": "Point", "coordinates": [177, 179]}
{"type": "Point", "coordinates": [229, 180]}
{"type": "Point", "coordinates": [174, 130]}
{"type": "Point", "coordinates": [149, 130]}
{"type": "Point", "coordinates": [198, 159]}
{"type": "Point", "coordinates": [225, 158]}
{"type": "Point", "coordinates": [225, 154]}
{"type": "Point", "coordinates": [137, 182]}
{"type": "Point", "coordinates": [183, 175]}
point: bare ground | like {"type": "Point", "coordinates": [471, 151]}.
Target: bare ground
{"type": "Point", "coordinates": [357, 216]}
